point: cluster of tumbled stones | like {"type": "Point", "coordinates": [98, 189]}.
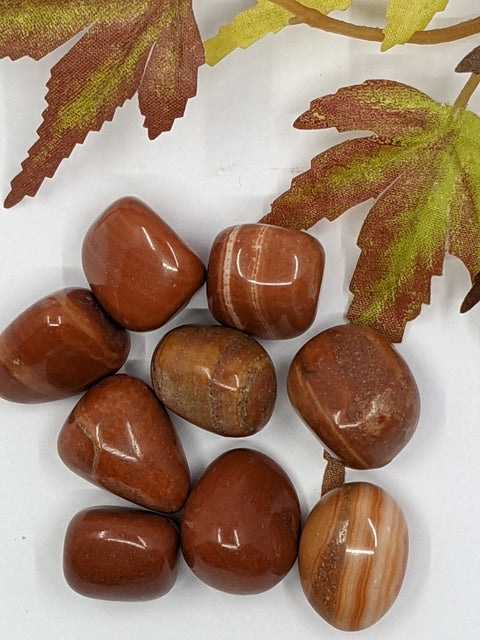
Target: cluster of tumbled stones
{"type": "Point", "coordinates": [240, 524]}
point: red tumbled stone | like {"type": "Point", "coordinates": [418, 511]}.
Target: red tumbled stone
{"type": "Point", "coordinates": [115, 553]}
{"type": "Point", "coordinates": [119, 437]}
{"type": "Point", "coordinates": [139, 269]}
{"type": "Point", "coordinates": [264, 279]}
{"type": "Point", "coordinates": [356, 393]}
{"type": "Point", "coordinates": [241, 523]}
{"type": "Point", "coordinates": [58, 347]}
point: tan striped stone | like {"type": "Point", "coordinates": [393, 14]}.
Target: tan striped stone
{"type": "Point", "coordinates": [353, 555]}
{"type": "Point", "coordinates": [215, 377]}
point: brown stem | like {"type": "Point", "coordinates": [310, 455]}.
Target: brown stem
{"type": "Point", "coordinates": [314, 18]}
{"type": "Point", "coordinates": [467, 92]}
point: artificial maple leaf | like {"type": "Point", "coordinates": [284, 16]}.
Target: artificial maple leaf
{"type": "Point", "coordinates": [256, 22]}
{"type": "Point", "coordinates": [422, 165]}
{"type": "Point", "coordinates": [152, 46]}
{"type": "Point", "coordinates": [404, 18]}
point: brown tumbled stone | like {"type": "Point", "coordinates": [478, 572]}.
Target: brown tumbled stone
{"type": "Point", "coordinates": [115, 553]}
{"type": "Point", "coordinates": [119, 437]}
{"type": "Point", "coordinates": [139, 269]}
{"type": "Point", "coordinates": [356, 393]}
{"type": "Point", "coordinates": [58, 347]}
{"type": "Point", "coordinates": [240, 526]}
{"type": "Point", "coordinates": [218, 378]}
{"type": "Point", "coordinates": [264, 279]}
{"type": "Point", "coordinates": [353, 555]}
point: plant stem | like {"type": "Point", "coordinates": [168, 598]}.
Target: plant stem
{"type": "Point", "coordinates": [314, 18]}
{"type": "Point", "coordinates": [467, 91]}
{"type": "Point", "coordinates": [465, 94]}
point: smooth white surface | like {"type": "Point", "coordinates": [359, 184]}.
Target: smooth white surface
{"type": "Point", "coordinates": [224, 162]}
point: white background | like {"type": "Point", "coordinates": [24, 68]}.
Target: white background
{"type": "Point", "coordinates": [224, 162]}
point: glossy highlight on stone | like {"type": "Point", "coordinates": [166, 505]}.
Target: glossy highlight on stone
{"type": "Point", "coordinates": [118, 553]}
{"type": "Point", "coordinates": [353, 555]}
{"type": "Point", "coordinates": [265, 280]}
{"type": "Point", "coordinates": [58, 347]}
{"type": "Point", "coordinates": [217, 378]}
{"type": "Point", "coordinates": [119, 437]}
{"type": "Point", "coordinates": [356, 393]}
{"type": "Point", "coordinates": [240, 527]}
{"type": "Point", "coordinates": [139, 269]}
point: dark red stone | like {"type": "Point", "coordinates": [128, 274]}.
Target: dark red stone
{"type": "Point", "coordinates": [115, 553]}
{"type": "Point", "coordinates": [119, 437]}
{"type": "Point", "coordinates": [58, 347]}
{"type": "Point", "coordinates": [241, 523]}
{"type": "Point", "coordinates": [139, 269]}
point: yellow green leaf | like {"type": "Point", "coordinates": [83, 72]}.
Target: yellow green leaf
{"type": "Point", "coordinates": [255, 23]}
{"type": "Point", "coordinates": [405, 17]}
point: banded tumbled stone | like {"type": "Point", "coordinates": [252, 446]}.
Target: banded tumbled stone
{"type": "Point", "coordinates": [215, 377]}
{"type": "Point", "coordinates": [353, 555]}
{"type": "Point", "coordinates": [264, 279]}
{"type": "Point", "coordinates": [356, 393]}
{"type": "Point", "coordinates": [139, 269]}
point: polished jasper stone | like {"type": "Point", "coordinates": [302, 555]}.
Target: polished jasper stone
{"type": "Point", "coordinates": [141, 272]}
{"type": "Point", "coordinates": [218, 378]}
{"type": "Point", "coordinates": [119, 437]}
{"type": "Point", "coordinates": [265, 280]}
{"type": "Point", "coordinates": [58, 347]}
{"type": "Point", "coordinates": [353, 555]}
{"type": "Point", "coordinates": [356, 393]}
{"type": "Point", "coordinates": [240, 527]}
{"type": "Point", "coordinates": [116, 553]}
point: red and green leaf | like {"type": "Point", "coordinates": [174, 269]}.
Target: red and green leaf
{"type": "Point", "coordinates": [421, 166]}
{"type": "Point", "coordinates": [34, 28]}
{"type": "Point", "coordinates": [170, 77]}
{"type": "Point", "coordinates": [149, 46]}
